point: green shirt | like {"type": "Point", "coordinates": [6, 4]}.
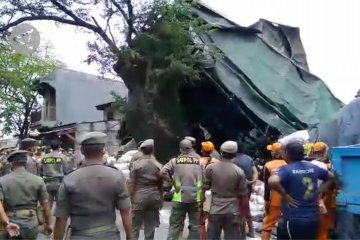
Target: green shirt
{"type": "Point", "coordinates": [22, 190]}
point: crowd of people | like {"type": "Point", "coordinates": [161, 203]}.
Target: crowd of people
{"type": "Point", "coordinates": [212, 188]}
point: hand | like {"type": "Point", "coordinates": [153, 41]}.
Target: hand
{"type": "Point", "coordinates": [253, 183]}
{"type": "Point", "coordinates": [48, 229]}
{"type": "Point", "coordinates": [13, 229]}
{"type": "Point", "coordinates": [322, 207]}
{"type": "Point", "coordinates": [290, 201]}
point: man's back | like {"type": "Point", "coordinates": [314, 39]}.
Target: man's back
{"type": "Point", "coordinates": [187, 174]}
{"type": "Point", "coordinates": [92, 194]}
{"type": "Point", "coordinates": [299, 180]}
{"type": "Point", "coordinates": [145, 175]}
{"type": "Point", "coordinates": [21, 188]}
{"type": "Point", "coordinates": [246, 163]}
{"type": "Point", "coordinates": [227, 182]}
{"type": "Point", "coordinates": [146, 171]}
{"type": "Point", "coordinates": [54, 164]}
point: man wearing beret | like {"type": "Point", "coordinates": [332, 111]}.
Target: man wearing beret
{"type": "Point", "coordinates": [20, 193]}
{"type": "Point", "coordinates": [53, 168]}
{"type": "Point", "coordinates": [90, 195]}
{"type": "Point", "coordinates": [28, 144]}
{"type": "Point", "coordinates": [227, 183]}
{"type": "Point", "coordinates": [186, 174]}
{"type": "Point", "coordinates": [193, 143]}
{"type": "Point", "coordinates": [145, 188]}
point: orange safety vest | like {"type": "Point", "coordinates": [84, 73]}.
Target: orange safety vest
{"type": "Point", "coordinates": [330, 195]}
{"type": "Point", "coordinates": [273, 167]}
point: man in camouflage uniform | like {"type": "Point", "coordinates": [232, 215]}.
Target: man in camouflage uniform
{"type": "Point", "coordinates": [20, 193]}
{"type": "Point", "coordinates": [193, 143]}
{"type": "Point", "coordinates": [187, 174]}
{"type": "Point", "coordinates": [145, 187]}
{"type": "Point", "coordinates": [71, 160]}
{"type": "Point", "coordinates": [28, 144]}
{"type": "Point", "coordinates": [91, 194]}
{"type": "Point", "coordinates": [227, 183]}
{"type": "Point", "coordinates": [53, 167]}
{"type": "Point", "coordinates": [5, 165]}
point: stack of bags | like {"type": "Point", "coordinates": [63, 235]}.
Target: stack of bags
{"type": "Point", "coordinates": [257, 206]}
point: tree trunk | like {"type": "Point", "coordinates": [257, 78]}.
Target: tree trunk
{"type": "Point", "coordinates": [153, 110]}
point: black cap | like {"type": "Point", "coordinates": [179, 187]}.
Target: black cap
{"type": "Point", "coordinates": [27, 143]}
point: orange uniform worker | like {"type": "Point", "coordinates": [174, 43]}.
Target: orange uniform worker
{"type": "Point", "coordinates": [327, 220]}
{"type": "Point", "coordinates": [207, 148]}
{"type": "Point", "coordinates": [272, 198]}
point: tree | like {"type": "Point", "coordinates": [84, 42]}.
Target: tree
{"type": "Point", "coordinates": [150, 43]}
{"type": "Point", "coordinates": [19, 84]}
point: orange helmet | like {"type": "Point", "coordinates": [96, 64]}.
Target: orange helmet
{"type": "Point", "coordinates": [319, 147]}
{"type": "Point", "coordinates": [275, 147]}
{"type": "Point", "coordinates": [207, 146]}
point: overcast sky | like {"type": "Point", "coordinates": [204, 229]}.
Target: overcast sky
{"type": "Point", "coordinates": [330, 30]}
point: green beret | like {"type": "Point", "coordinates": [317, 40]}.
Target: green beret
{"type": "Point", "coordinates": [27, 143]}
{"type": "Point", "coordinates": [229, 147]}
{"type": "Point", "coordinates": [191, 139]}
{"type": "Point", "coordinates": [147, 143]}
{"type": "Point", "coordinates": [186, 144]}
{"type": "Point", "coordinates": [28, 140]}
{"type": "Point", "coordinates": [93, 138]}
{"type": "Point", "coordinates": [18, 156]}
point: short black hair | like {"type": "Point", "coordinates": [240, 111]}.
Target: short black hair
{"type": "Point", "coordinates": [295, 151]}
{"type": "Point", "coordinates": [91, 149]}
{"type": "Point", "coordinates": [147, 150]}
{"type": "Point", "coordinates": [55, 144]}
{"type": "Point", "coordinates": [228, 155]}
{"type": "Point", "coordinates": [241, 147]}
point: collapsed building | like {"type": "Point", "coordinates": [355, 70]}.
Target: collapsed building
{"type": "Point", "coordinates": [261, 88]}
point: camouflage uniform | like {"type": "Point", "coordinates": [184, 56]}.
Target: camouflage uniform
{"type": "Point", "coordinates": [53, 168]}
{"type": "Point", "coordinates": [90, 195]}
{"type": "Point", "coordinates": [20, 192]}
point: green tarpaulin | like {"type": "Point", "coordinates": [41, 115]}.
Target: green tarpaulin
{"type": "Point", "coordinates": [264, 68]}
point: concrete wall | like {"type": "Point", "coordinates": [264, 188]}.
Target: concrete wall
{"type": "Point", "coordinates": [78, 93]}
{"type": "Point", "coordinates": [111, 128]}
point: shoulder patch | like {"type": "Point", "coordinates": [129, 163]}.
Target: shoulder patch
{"type": "Point", "coordinates": [187, 160]}
{"type": "Point", "coordinates": [111, 166]}
{"type": "Point", "coordinates": [73, 170]}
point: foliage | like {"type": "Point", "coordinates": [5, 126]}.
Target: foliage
{"type": "Point", "coordinates": [120, 103]}
{"type": "Point", "coordinates": [169, 45]}
{"type": "Point", "coordinates": [149, 43]}
{"type": "Point", "coordinates": [19, 75]}
{"type": "Point", "coordinates": [158, 30]}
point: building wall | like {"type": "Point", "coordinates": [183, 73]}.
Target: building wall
{"type": "Point", "coordinates": [78, 93]}
{"type": "Point", "coordinates": [111, 128]}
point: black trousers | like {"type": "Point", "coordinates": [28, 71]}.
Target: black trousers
{"type": "Point", "coordinates": [298, 229]}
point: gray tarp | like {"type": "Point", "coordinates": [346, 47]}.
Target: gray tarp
{"type": "Point", "coordinates": [343, 129]}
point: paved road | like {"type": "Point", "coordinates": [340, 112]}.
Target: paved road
{"type": "Point", "coordinates": [160, 233]}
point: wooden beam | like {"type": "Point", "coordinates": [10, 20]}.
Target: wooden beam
{"type": "Point", "coordinates": [71, 137]}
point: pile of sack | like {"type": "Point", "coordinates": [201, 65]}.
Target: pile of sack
{"type": "Point", "coordinates": [257, 206]}
{"type": "Point", "coordinates": [123, 162]}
